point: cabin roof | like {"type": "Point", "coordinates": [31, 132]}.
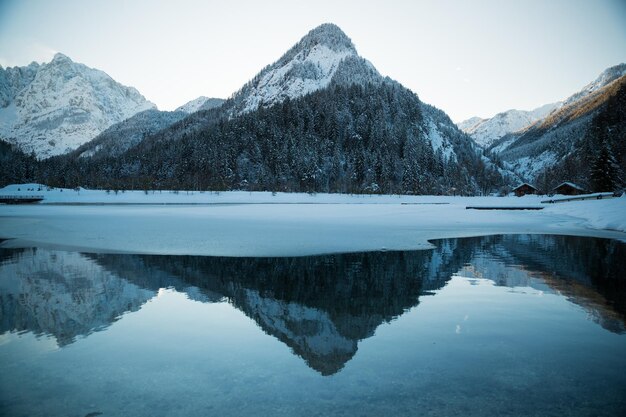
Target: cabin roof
{"type": "Point", "coordinates": [525, 184]}
{"type": "Point", "coordinates": [569, 184]}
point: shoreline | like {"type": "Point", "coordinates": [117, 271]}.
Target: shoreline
{"type": "Point", "coordinates": [291, 229]}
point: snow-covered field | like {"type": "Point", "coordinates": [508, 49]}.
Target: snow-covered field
{"type": "Point", "coordinates": [281, 224]}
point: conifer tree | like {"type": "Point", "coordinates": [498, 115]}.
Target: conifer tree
{"type": "Point", "coordinates": [605, 172]}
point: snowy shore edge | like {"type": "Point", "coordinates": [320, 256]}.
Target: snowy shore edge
{"type": "Point", "coordinates": [241, 223]}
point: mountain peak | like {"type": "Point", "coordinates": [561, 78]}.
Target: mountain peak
{"type": "Point", "coordinates": [327, 34]}
{"type": "Point", "coordinates": [324, 54]}
{"type": "Point", "coordinates": [200, 103]}
{"type": "Point", "coordinates": [60, 58]}
{"type": "Point", "coordinates": [328, 37]}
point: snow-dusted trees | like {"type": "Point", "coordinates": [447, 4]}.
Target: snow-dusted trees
{"type": "Point", "coordinates": [607, 135]}
{"type": "Point", "coordinates": [350, 139]}
{"type": "Point", "coordinates": [605, 172]}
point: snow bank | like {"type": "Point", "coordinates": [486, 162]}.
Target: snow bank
{"type": "Point", "coordinates": [608, 214]}
{"type": "Point", "coordinates": [244, 224]}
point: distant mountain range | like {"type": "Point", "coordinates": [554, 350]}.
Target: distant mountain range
{"type": "Point", "coordinates": [320, 118]}
{"type": "Point", "coordinates": [486, 131]}
{"type": "Point", "coordinates": [562, 145]}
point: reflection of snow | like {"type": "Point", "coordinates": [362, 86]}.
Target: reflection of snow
{"type": "Point", "coordinates": [64, 294]}
{"type": "Point", "coordinates": [309, 331]}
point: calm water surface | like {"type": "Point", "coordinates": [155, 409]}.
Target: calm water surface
{"type": "Point", "coordinates": [501, 325]}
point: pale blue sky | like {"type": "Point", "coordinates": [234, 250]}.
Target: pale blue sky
{"type": "Point", "coordinates": [465, 57]}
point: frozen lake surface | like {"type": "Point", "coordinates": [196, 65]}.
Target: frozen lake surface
{"type": "Point", "coordinates": [495, 325]}
{"type": "Point", "coordinates": [297, 229]}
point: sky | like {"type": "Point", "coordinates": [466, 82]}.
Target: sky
{"type": "Point", "coordinates": [469, 58]}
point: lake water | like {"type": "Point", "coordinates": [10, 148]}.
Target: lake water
{"type": "Point", "coordinates": [499, 325]}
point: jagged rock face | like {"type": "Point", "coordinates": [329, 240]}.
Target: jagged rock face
{"type": "Point", "coordinates": [13, 80]}
{"type": "Point", "coordinates": [53, 108]}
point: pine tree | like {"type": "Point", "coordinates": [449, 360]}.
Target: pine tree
{"type": "Point", "coordinates": [605, 172]}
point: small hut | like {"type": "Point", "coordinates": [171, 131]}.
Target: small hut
{"type": "Point", "coordinates": [568, 188]}
{"type": "Point", "coordinates": [524, 189]}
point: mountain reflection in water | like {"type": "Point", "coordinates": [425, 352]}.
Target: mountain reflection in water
{"type": "Point", "coordinates": [320, 306]}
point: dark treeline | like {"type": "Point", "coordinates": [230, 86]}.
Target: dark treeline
{"type": "Point", "coordinates": [349, 139]}
{"type": "Point", "coordinates": [16, 167]}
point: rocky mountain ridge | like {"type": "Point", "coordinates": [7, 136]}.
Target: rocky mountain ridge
{"type": "Point", "coordinates": [50, 109]}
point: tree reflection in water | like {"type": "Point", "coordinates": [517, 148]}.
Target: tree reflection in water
{"type": "Point", "coordinates": [320, 306]}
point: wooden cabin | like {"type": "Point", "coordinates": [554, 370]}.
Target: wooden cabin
{"type": "Point", "coordinates": [524, 189]}
{"type": "Point", "coordinates": [568, 188]}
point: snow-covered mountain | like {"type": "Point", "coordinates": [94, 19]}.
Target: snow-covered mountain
{"type": "Point", "coordinates": [200, 103]}
{"type": "Point", "coordinates": [560, 146]}
{"type": "Point", "coordinates": [325, 54]}
{"type": "Point", "coordinates": [52, 108]}
{"type": "Point", "coordinates": [605, 78]}
{"type": "Point", "coordinates": [487, 131]}
{"type": "Point", "coordinates": [469, 123]}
